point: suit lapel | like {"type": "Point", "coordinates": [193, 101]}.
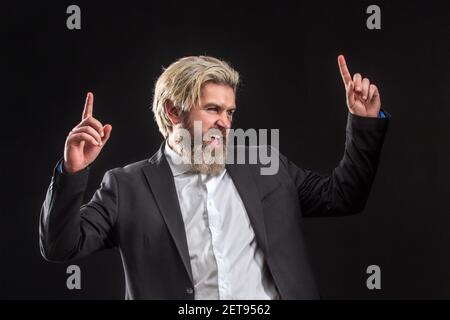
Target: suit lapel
{"type": "Point", "coordinates": [160, 179]}
{"type": "Point", "coordinates": [245, 184]}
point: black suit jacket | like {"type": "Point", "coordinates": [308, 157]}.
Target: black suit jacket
{"type": "Point", "coordinates": [136, 210]}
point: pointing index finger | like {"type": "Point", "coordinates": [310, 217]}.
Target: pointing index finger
{"type": "Point", "coordinates": [88, 106]}
{"type": "Point", "coordinates": [345, 74]}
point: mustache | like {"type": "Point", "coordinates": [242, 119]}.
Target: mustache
{"type": "Point", "coordinates": [207, 136]}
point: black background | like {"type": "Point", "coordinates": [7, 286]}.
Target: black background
{"type": "Point", "coordinates": [286, 55]}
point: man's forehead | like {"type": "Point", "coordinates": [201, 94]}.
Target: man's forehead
{"type": "Point", "coordinates": [211, 88]}
{"type": "Point", "coordinates": [218, 94]}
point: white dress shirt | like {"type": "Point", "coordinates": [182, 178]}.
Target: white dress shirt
{"type": "Point", "coordinates": [225, 259]}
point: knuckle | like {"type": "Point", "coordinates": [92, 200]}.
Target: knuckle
{"type": "Point", "coordinates": [95, 123]}
{"type": "Point", "coordinates": [87, 119]}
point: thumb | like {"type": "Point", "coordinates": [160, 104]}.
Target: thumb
{"type": "Point", "coordinates": [107, 132]}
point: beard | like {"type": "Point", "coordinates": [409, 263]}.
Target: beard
{"type": "Point", "coordinates": [205, 156]}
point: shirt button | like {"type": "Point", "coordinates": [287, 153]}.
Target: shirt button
{"type": "Point", "coordinates": [189, 291]}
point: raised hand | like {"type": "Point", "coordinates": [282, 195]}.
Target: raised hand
{"type": "Point", "coordinates": [86, 140]}
{"type": "Point", "coordinates": [363, 98]}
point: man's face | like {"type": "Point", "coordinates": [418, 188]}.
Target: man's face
{"type": "Point", "coordinates": [215, 110]}
{"type": "Point", "coordinates": [213, 114]}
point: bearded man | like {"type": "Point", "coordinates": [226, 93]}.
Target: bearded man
{"type": "Point", "coordinates": [191, 225]}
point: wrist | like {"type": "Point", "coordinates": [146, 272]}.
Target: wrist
{"type": "Point", "coordinates": [67, 169]}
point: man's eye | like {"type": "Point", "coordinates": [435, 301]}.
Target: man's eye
{"type": "Point", "coordinates": [215, 109]}
{"type": "Point", "coordinates": [230, 112]}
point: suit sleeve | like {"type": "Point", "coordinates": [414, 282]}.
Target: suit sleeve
{"type": "Point", "coordinates": [70, 230]}
{"type": "Point", "coordinates": [346, 189]}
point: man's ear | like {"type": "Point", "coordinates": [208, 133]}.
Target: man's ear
{"type": "Point", "coordinates": [172, 112]}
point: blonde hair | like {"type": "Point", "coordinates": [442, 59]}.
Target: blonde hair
{"type": "Point", "coordinates": [182, 83]}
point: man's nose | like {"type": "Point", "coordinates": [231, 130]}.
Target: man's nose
{"type": "Point", "coordinates": [224, 121]}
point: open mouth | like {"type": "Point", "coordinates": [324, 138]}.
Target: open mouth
{"type": "Point", "coordinates": [216, 140]}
